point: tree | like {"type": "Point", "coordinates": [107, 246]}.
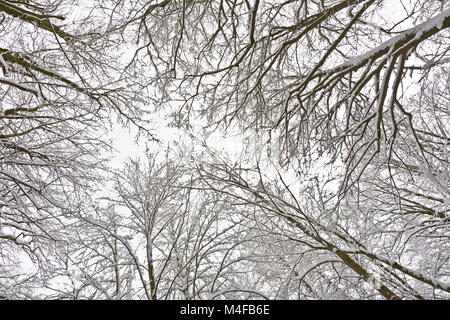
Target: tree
{"type": "Point", "coordinates": [160, 235]}
{"type": "Point", "coordinates": [386, 238]}
{"type": "Point", "coordinates": [59, 82]}
{"type": "Point", "coordinates": [341, 188]}
{"type": "Point", "coordinates": [328, 74]}
{"type": "Point", "coordinates": [330, 86]}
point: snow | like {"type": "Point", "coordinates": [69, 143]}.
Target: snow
{"type": "Point", "coordinates": [19, 86]}
{"type": "Point", "coordinates": [412, 33]}
{"type": "Point", "coordinates": [440, 23]}
{"type": "Point", "coordinates": [3, 64]}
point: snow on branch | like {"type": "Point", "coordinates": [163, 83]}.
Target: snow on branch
{"type": "Point", "coordinates": [404, 41]}
{"type": "Point", "coordinates": [19, 86]}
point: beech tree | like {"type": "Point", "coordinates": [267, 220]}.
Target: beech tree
{"type": "Point", "coordinates": [160, 235]}
{"type": "Point", "coordinates": [59, 82]}
{"type": "Point", "coordinates": [341, 189]}
{"type": "Point", "coordinates": [333, 86]}
{"type": "Point", "coordinates": [379, 241]}
{"type": "Point", "coordinates": [323, 76]}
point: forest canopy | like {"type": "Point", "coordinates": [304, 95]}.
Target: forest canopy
{"type": "Point", "coordinates": [309, 154]}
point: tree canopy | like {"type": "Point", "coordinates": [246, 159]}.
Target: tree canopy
{"type": "Point", "coordinates": [335, 185]}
